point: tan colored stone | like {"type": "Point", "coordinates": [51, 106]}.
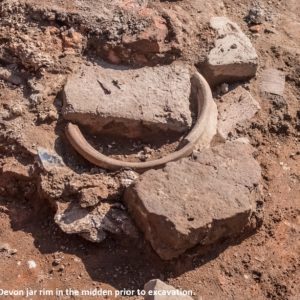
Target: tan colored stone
{"type": "Point", "coordinates": [235, 107]}
{"type": "Point", "coordinates": [233, 58]}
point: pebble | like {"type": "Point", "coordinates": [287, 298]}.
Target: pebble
{"type": "Point", "coordinates": [52, 115]}
{"type": "Point", "coordinates": [76, 259]}
{"type": "Point", "coordinates": [224, 88]}
{"type": "Point", "coordinates": [31, 264]}
{"type": "Point", "coordinates": [141, 156]}
{"type": "Point", "coordinates": [255, 28]}
{"type": "Point", "coordinates": [17, 110]}
{"type": "Point", "coordinates": [256, 15]}
{"type": "Point", "coordinates": [128, 177]}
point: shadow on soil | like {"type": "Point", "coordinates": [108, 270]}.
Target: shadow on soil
{"type": "Point", "coordinates": [121, 263]}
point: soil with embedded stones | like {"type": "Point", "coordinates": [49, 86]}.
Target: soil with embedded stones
{"type": "Point", "coordinates": [41, 43]}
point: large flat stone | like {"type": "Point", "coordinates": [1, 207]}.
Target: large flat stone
{"type": "Point", "coordinates": [130, 102]}
{"type": "Point", "coordinates": [199, 201]}
{"type": "Point", "coordinates": [235, 107]}
{"type": "Point", "coordinates": [233, 58]}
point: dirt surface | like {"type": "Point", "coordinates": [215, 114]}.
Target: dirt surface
{"type": "Point", "coordinates": [40, 52]}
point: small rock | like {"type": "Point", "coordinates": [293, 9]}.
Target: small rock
{"type": "Point", "coordinates": [3, 209]}
{"type": "Point", "coordinates": [42, 116]}
{"type": "Point", "coordinates": [195, 154]}
{"type": "Point", "coordinates": [256, 15]}
{"type": "Point", "coordinates": [17, 110]}
{"type": "Point", "coordinates": [142, 156]}
{"type": "Point", "coordinates": [224, 88]}
{"type": "Point", "coordinates": [31, 264]}
{"type": "Point", "coordinates": [233, 58]}
{"type": "Point", "coordinates": [46, 116]}
{"type": "Point", "coordinates": [128, 177]}
{"type": "Point", "coordinates": [113, 57]}
{"type": "Point", "coordinates": [158, 290]}
{"type": "Point", "coordinates": [13, 251]}
{"type": "Point", "coordinates": [255, 28]}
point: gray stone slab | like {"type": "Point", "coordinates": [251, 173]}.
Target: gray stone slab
{"type": "Point", "coordinates": [130, 101]}
{"type": "Point", "coordinates": [233, 58]}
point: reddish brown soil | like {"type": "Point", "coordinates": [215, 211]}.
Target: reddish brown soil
{"type": "Point", "coordinates": [265, 265]}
